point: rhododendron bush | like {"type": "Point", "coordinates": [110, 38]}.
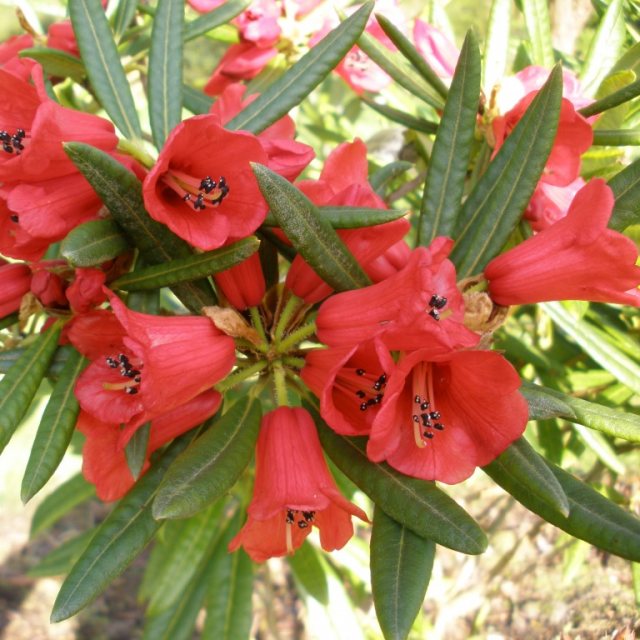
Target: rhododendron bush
{"type": "Point", "coordinates": [292, 270]}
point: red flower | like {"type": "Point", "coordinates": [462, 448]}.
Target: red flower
{"type": "Point", "coordinates": [259, 23]}
{"type": "Point", "coordinates": [445, 414]}
{"type": "Point", "coordinates": [243, 285]}
{"type": "Point", "coordinates": [436, 48]}
{"type": "Point", "coordinates": [419, 303]}
{"type": "Point", "coordinates": [15, 281]}
{"type": "Point", "coordinates": [350, 382]}
{"type": "Point", "coordinates": [87, 290]}
{"type": "Point", "coordinates": [549, 203]}
{"type": "Point", "coordinates": [48, 284]}
{"type": "Point", "coordinates": [203, 195]}
{"type": "Point", "coordinates": [144, 365]}
{"type": "Point", "coordinates": [293, 491]}
{"type": "Point", "coordinates": [104, 461]}
{"type": "Point", "coordinates": [577, 258]}
{"type": "Point", "coordinates": [60, 35]}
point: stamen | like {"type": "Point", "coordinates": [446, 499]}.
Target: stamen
{"type": "Point", "coordinates": [422, 382]}
{"type": "Point", "coordinates": [202, 193]}
{"type": "Point", "coordinates": [12, 143]}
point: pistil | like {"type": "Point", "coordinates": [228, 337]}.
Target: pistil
{"type": "Point", "coordinates": [200, 193]}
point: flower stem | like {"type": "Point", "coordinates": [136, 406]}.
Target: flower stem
{"type": "Point", "coordinates": [256, 320]}
{"type": "Point", "coordinates": [239, 375]}
{"type": "Point", "coordinates": [305, 331]}
{"type": "Point", "coordinates": [134, 150]}
{"type": "Point", "coordinates": [293, 361]}
{"type": "Point", "coordinates": [290, 308]}
{"type": "Point", "coordinates": [280, 384]}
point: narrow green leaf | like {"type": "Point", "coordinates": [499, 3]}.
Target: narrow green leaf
{"type": "Point", "coordinates": [56, 62]}
{"type": "Point", "coordinates": [119, 539]}
{"type": "Point", "coordinates": [214, 18]}
{"type": "Point", "coordinates": [5, 322]}
{"type": "Point", "coordinates": [587, 337]}
{"type": "Point", "coordinates": [300, 79]}
{"type": "Point", "coordinates": [122, 16]}
{"type": "Point", "coordinates": [592, 517]}
{"type": "Point", "coordinates": [635, 576]}
{"type": "Point", "coordinates": [449, 161]}
{"type": "Point", "coordinates": [309, 232]}
{"type": "Point", "coordinates": [401, 564]}
{"type": "Point", "coordinates": [68, 495]}
{"type": "Point", "coordinates": [212, 464]}
{"type": "Point", "coordinates": [536, 18]}
{"type": "Point", "coordinates": [626, 189]}
{"type": "Point", "coordinates": [380, 179]}
{"type": "Point", "coordinates": [102, 62]}
{"type": "Point", "coordinates": [601, 447]}
{"type": "Point", "coordinates": [195, 266]}
{"type": "Point", "coordinates": [400, 70]}
{"type": "Point", "coordinates": [165, 69]}
{"type": "Point", "coordinates": [196, 101]}
{"type": "Point", "coordinates": [415, 58]}
{"type": "Point", "coordinates": [59, 561]}
{"type": "Point", "coordinates": [402, 118]}
{"type": "Point", "coordinates": [55, 429]}
{"type": "Point", "coordinates": [417, 504]}
{"type": "Point", "coordinates": [194, 543]}
{"type": "Point", "coordinates": [605, 47]}
{"type": "Point", "coordinates": [21, 382]}
{"type": "Point", "coordinates": [616, 137]}
{"type": "Point", "coordinates": [121, 192]}
{"type": "Point", "coordinates": [626, 93]}
{"type": "Point", "coordinates": [309, 572]}
{"type": "Point", "coordinates": [495, 205]}
{"type": "Point", "coordinates": [349, 217]}
{"type": "Point", "coordinates": [547, 403]}
{"type": "Point", "coordinates": [228, 599]}
{"type": "Point", "coordinates": [496, 46]}
{"type": "Point", "coordinates": [520, 463]}
{"type": "Point", "coordinates": [136, 449]}
{"type": "Point", "coordinates": [93, 243]}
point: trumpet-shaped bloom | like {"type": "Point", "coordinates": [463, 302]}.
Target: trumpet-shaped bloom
{"type": "Point", "coordinates": [243, 285]}
{"type": "Point", "coordinates": [293, 491]}
{"type": "Point", "coordinates": [418, 305]}
{"type": "Point", "coordinates": [577, 258]}
{"type": "Point", "coordinates": [203, 195]}
{"type": "Point", "coordinates": [445, 414]}
{"type": "Point", "coordinates": [15, 281]}
{"type": "Point", "coordinates": [436, 48]}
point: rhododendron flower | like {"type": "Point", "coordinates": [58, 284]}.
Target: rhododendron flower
{"type": "Point", "coordinates": [48, 285]}
{"type": "Point", "coordinates": [203, 6]}
{"type": "Point", "coordinates": [259, 23]}
{"type": "Point", "coordinates": [204, 196]}
{"type": "Point", "coordinates": [293, 491]}
{"type": "Point", "coordinates": [145, 365]}
{"type": "Point", "coordinates": [10, 48]}
{"type": "Point", "coordinates": [444, 414]}
{"type": "Point", "coordinates": [104, 461]}
{"type": "Point", "coordinates": [350, 383]}
{"type": "Point", "coordinates": [436, 48]}
{"type": "Point", "coordinates": [87, 290]}
{"type": "Point", "coordinates": [419, 303]}
{"type": "Point", "coordinates": [60, 35]}
{"type": "Point", "coordinates": [577, 258]}
{"type": "Point", "coordinates": [549, 203]}
{"type": "Point", "coordinates": [15, 242]}
{"type": "Point", "coordinates": [243, 285]}
{"type": "Point", "coordinates": [15, 281]}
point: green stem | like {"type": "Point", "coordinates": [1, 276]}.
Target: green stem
{"type": "Point", "coordinates": [305, 331]}
{"type": "Point", "coordinates": [133, 149]}
{"type": "Point", "coordinates": [256, 320]}
{"type": "Point", "coordinates": [239, 375]}
{"type": "Point", "coordinates": [293, 361]}
{"type": "Point", "coordinates": [290, 308]}
{"type": "Point", "coordinates": [280, 384]}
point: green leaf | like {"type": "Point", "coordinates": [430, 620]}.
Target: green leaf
{"type": "Point", "coordinates": [103, 65]}
{"type": "Point", "coordinates": [68, 495]}
{"type": "Point", "coordinates": [300, 79]}
{"type": "Point", "coordinates": [165, 69]}
{"type": "Point", "coordinates": [20, 383]}
{"type": "Point", "coordinates": [309, 232]}
{"type": "Point", "coordinates": [402, 118]}
{"type": "Point", "coordinates": [547, 403]}
{"type": "Point", "coordinates": [605, 48]}
{"type": "Point", "coordinates": [121, 192]}
{"type": "Point", "coordinates": [228, 599]}
{"type": "Point", "coordinates": [590, 340]}
{"type": "Point", "coordinates": [613, 99]}
{"type": "Point", "coordinates": [536, 18]}
{"type": "Point", "coordinates": [309, 572]}
{"type": "Point", "coordinates": [136, 449]}
{"type": "Point", "coordinates": [401, 565]}
{"type": "Point", "coordinates": [212, 464]}
{"type": "Point", "coordinates": [601, 447]}
{"type": "Point", "coordinates": [626, 189]}
{"type": "Point", "coordinates": [592, 517]}
{"type": "Point", "coordinates": [449, 161]}
{"type": "Point", "coordinates": [616, 137]}
{"type": "Point", "coordinates": [195, 266]}
{"type": "Point", "coordinates": [93, 243]}
{"type": "Point", "coordinates": [496, 46]}
{"type": "Point", "coordinates": [56, 63]}
{"type": "Point", "coordinates": [417, 504]}
{"type": "Point", "coordinates": [55, 429]}
{"type": "Point", "coordinates": [214, 18]}
{"type": "Point", "coordinates": [122, 17]}
{"type": "Point", "coordinates": [349, 217]}
{"type": "Point", "coordinates": [380, 179]}
{"type": "Point", "coordinates": [520, 463]}
{"type": "Point", "coordinates": [196, 101]}
{"type": "Point", "coordinates": [495, 205]}
{"type": "Point", "coordinates": [59, 561]}
{"type": "Point", "coordinates": [194, 543]}
{"type": "Point", "coordinates": [119, 539]}
{"type": "Point", "coordinates": [415, 58]}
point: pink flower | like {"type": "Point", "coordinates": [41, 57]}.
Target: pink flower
{"type": "Point", "coordinates": [436, 48]}
{"type": "Point", "coordinates": [549, 203]}
{"type": "Point", "coordinates": [576, 258]}
{"type": "Point", "coordinates": [259, 23]}
{"type": "Point", "coordinates": [444, 414]}
{"type": "Point", "coordinates": [293, 491]}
